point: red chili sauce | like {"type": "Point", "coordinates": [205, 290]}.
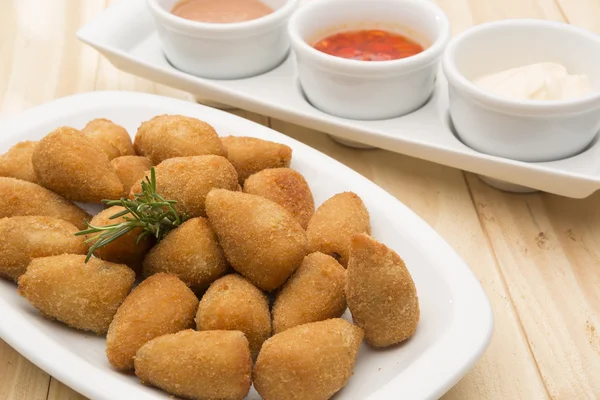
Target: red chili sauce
{"type": "Point", "coordinates": [368, 45]}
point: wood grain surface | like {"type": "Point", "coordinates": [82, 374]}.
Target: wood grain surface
{"type": "Point", "coordinates": [536, 255]}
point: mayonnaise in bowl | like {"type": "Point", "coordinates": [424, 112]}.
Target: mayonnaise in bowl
{"type": "Point", "coordinates": [540, 81]}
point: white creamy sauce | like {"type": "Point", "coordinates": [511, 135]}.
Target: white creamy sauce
{"type": "Point", "coordinates": [543, 81]}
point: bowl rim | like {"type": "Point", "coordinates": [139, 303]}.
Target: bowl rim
{"type": "Point", "coordinates": [457, 80]}
{"type": "Point", "coordinates": [193, 28]}
{"type": "Point", "coordinates": [403, 65]}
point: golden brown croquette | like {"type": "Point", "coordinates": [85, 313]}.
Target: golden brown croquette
{"type": "Point", "coordinates": [27, 237]}
{"type": "Point", "coordinates": [82, 295]}
{"type": "Point", "coordinates": [307, 362]}
{"type": "Point", "coordinates": [314, 293]}
{"type": "Point", "coordinates": [159, 305]}
{"type": "Point", "coordinates": [72, 165]}
{"type": "Point", "coordinates": [106, 131]}
{"type": "Point", "coordinates": [285, 187]}
{"type": "Point", "coordinates": [250, 155]}
{"type": "Point", "coordinates": [188, 180]}
{"type": "Point", "coordinates": [233, 303]}
{"type": "Point", "coordinates": [197, 365]}
{"type": "Point", "coordinates": [130, 169]}
{"type": "Point", "coordinates": [191, 252]}
{"type": "Point", "coordinates": [261, 240]}
{"type": "Point", "coordinates": [16, 162]}
{"type": "Point", "coordinates": [168, 136]}
{"type": "Point", "coordinates": [26, 198]}
{"type": "Point", "coordinates": [380, 292]}
{"type": "Point", "coordinates": [333, 224]}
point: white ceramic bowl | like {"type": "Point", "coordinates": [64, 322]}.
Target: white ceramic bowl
{"type": "Point", "coordinates": [368, 89]}
{"type": "Point", "coordinates": [523, 130]}
{"type": "Point", "coordinates": [224, 51]}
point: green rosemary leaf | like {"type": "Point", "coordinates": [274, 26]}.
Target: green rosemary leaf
{"type": "Point", "coordinates": [149, 211]}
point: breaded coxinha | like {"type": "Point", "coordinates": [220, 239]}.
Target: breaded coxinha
{"type": "Point", "coordinates": [187, 180]}
{"type": "Point", "coordinates": [168, 136]}
{"type": "Point", "coordinates": [130, 170]}
{"type": "Point", "coordinates": [190, 251]}
{"type": "Point", "coordinates": [197, 365]}
{"type": "Point", "coordinates": [24, 238]}
{"type": "Point", "coordinates": [314, 293]}
{"type": "Point", "coordinates": [16, 162]}
{"type": "Point", "coordinates": [159, 305]}
{"type": "Point", "coordinates": [261, 240]}
{"type": "Point", "coordinates": [233, 303]}
{"type": "Point", "coordinates": [250, 155]}
{"type": "Point", "coordinates": [71, 164]}
{"type": "Point", "coordinates": [307, 362]}
{"type": "Point", "coordinates": [113, 138]}
{"type": "Point", "coordinates": [333, 224]}
{"type": "Point", "coordinates": [82, 295]}
{"type": "Point", "coordinates": [286, 187]}
{"type": "Point", "coordinates": [26, 198]}
{"type": "Point", "coordinates": [380, 292]}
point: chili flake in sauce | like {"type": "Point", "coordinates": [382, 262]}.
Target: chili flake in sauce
{"type": "Point", "coordinates": [368, 45]}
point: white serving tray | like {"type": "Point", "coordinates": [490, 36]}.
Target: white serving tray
{"type": "Point", "coordinates": [456, 317]}
{"type": "Point", "coordinates": [125, 34]}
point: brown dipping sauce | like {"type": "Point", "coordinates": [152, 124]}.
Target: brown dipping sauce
{"type": "Point", "coordinates": [221, 11]}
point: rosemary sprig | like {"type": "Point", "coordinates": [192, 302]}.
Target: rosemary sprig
{"type": "Point", "coordinates": [148, 210]}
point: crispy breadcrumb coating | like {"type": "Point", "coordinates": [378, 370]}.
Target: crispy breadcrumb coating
{"type": "Point", "coordinates": [233, 303]}
{"type": "Point", "coordinates": [307, 362]}
{"type": "Point", "coordinates": [250, 155]}
{"type": "Point", "coordinates": [168, 136]}
{"type": "Point", "coordinates": [314, 293]}
{"type": "Point", "coordinates": [26, 198]}
{"type": "Point", "coordinates": [27, 237]}
{"type": "Point", "coordinates": [159, 305]}
{"type": "Point", "coordinates": [82, 295]}
{"type": "Point", "coordinates": [261, 240]}
{"type": "Point", "coordinates": [197, 365]}
{"type": "Point", "coordinates": [72, 165]}
{"type": "Point", "coordinates": [380, 292]}
{"type": "Point", "coordinates": [285, 187]}
{"type": "Point", "coordinates": [333, 224]}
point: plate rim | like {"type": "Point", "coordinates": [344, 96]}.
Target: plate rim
{"type": "Point", "coordinates": [464, 346]}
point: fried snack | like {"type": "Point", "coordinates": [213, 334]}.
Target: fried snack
{"type": "Point", "coordinates": [168, 136]}
{"type": "Point", "coordinates": [250, 155]}
{"type": "Point", "coordinates": [110, 135]}
{"type": "Point", "coordinates": [82, 295]}
{"type": "Point", "coordinates": [197, 365]}
{"type": "Point", "coordinates": [261, 240]}
{"type": "Point", "coordinates": [333, 224]}
{"type": "Point", "coordinates": [25, 198]}
{"type": "Point", "coordinates": [28, 237]}
{"type": "Point", "coordinates": [159, 305]}
{"type": "Point", "coordinates": [191, 252]}
{"type": "Point", "coordinates": [124, 250]}
{"type": "Point", "coordinates": [285, 187]}
{"type": "Point", "coordinates": [188, 180]}
{"type": "Point", "coordinates": [130, 169]}
{"type": "Point", "coordinates": [380, 292]}
{"type": "Point", "coordinates": [314, 293]}
{"type": "Point", "coordinates": [111, 151]}
{"type": "Point", "coordinates": [307, 362]}
{"type": "Point", "coordinates": [233, 303]}
{"type": "Point", "coordinates": [72, 165]}
{"type": "Point", "coordinates": [16, 162]}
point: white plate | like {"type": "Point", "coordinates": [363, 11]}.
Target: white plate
{"type": "Point", "coordinates": [456, 317]}
{"type": "Point", "coordinates": [125, 34]}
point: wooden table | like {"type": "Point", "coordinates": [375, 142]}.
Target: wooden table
{"type": "Point", "coordinates": [537, 255]}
